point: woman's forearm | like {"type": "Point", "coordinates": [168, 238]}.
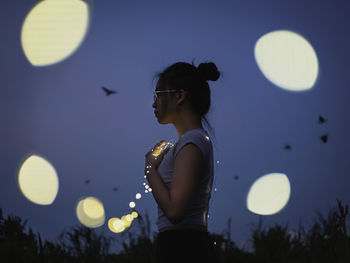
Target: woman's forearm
{"type": "Point", "coordinates": [160, 192]}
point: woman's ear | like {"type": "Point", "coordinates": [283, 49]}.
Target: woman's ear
{"type": "Point", "coordinates": [180, 96]}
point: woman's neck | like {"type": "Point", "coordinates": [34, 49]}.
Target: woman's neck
{"type": "Point", "coordinates": [186, 123]}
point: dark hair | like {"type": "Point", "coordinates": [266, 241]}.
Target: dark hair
{"type": "Point", "coordinates": [182, 75]}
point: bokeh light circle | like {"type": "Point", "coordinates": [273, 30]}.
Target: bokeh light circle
{"type": "Point", "coordinates": [90, 212]}
{"type": "Point", "coordinates": [287, 59]}
{"type": "Point", "coordinates": [129, 217]}
{"type": "Point", "coordinates": [38, 180]}
{"type": "Point", "coordinates": [127, 222]}
{"type": "Point", "coordinates": [134, 214]}
{"type": "Point", "coordinates": [93, 207]}
{"type": "Point", "coordinates": [116, 225]}
{"type": "Point", "coordinates": [269, 194]}
{"type": "Point", "coordinates": [53, 30]}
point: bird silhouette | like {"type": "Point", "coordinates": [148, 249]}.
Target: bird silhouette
{"type": "Point", "coordinates": [108, 91]}
{"type": "Point", "coordinates": [321, 119]}
{"type": "Point", "coordinates": [115, 189]}
{"type": "Point", "coordinates": [324, 138]}
{"type": "Point", "coordinates": [236, 177]}
{"type": "Point", "coordinates": [287, 147]}
{"type": "Point", "coordinates": [87, 181]}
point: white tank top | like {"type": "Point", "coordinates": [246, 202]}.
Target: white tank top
{"type": "Point", "coordinates": [198, 209]}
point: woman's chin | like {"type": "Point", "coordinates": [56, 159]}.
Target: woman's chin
{"type": "Point", "coordinates": [162, 121]}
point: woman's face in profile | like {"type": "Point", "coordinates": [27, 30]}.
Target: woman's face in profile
{"type": "Point", "coordinates": [161, 105]}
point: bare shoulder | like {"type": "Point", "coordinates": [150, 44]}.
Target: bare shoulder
{"type": "Point", "coordinates": [189, 159]}
{"type": "Point", "coordinates": [191, 151]}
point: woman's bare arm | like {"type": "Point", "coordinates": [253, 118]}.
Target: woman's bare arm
{"type": "Point", "coordinates": [187, 168]}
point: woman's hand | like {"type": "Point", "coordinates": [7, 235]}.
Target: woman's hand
{"type": "Point", "coordinates": [152, 162]}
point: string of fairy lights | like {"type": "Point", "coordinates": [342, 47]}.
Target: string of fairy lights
{"type": "Point", "coordinates": [117, 225]}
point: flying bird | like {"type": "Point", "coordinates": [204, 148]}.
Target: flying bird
{"type": "Point", "coordinates": [236, 177]}
{"type": "Point", "coordinates": [321, 119]}
{"type": "Point", "coordinates": [324, 138]}
{"type": "Point", "coordinates": [115, 189]}
{"type": "Point", "coordinates": [287, 147]}
{"type": "Point", "coordinates": [108, 91]}
{"type": "Point", "coordinates": [87, 181]}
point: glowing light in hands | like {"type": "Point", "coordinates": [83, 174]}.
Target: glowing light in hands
{"type": "Point", "coordinates": [161, 148]}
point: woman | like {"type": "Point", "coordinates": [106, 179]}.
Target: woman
{"type": "Point", "coordinates": [181, 176]}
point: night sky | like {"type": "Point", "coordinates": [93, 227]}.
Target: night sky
{"type": "Point", "coordinates": [61, 113]}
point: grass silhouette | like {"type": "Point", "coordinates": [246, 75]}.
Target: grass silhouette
{"type": "Point", "coordinates": [327, 240]}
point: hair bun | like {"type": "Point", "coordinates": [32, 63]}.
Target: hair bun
{"type": "Point", "coordinates": [209, 71]}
